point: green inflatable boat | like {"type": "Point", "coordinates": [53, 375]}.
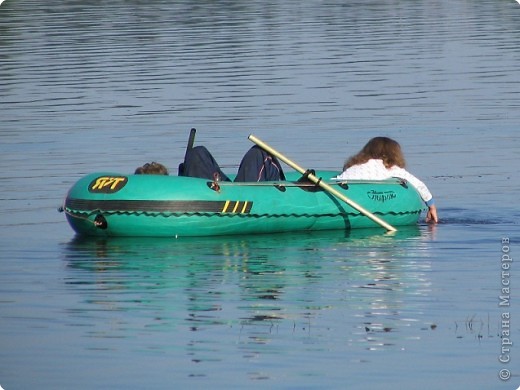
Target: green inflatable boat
{"type": "Point", "coordinates": [112, 204]}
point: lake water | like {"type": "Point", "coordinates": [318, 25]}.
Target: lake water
{"type": "Point", "coordinates": [88, 86]}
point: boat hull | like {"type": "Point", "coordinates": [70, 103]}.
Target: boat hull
{"type": "Point", "coordinates": [110, 204]}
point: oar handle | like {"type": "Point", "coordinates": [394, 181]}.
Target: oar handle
{"type": "Point", "coordinates": [191, 139]}
{"type": "Point", "coordinates": [325, 186]}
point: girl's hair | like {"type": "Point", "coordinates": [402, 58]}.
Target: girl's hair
{"type": "Point", "coordinates": [381, 148]}
{"type": "Point", "coordinates": [152, 168]}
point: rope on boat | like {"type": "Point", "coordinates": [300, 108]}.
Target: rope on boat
{"type": "Point", "coordinates": [220, 215]}
{"type": "Point", "coordinates": [297, 184]}
{"type": "Point", "coordinates": [78, 215]}
{"type": "Point", "coordinates": [99, 222]}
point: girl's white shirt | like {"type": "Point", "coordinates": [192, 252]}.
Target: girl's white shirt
{"type": "Point", "coordinates": [374, 169]}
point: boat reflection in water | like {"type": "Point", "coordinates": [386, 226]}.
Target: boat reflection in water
{"type": "Point", "coordinates": [357, 286]}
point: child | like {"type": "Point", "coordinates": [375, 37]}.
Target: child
{"type": "Point", "coordinates": [152, 168]}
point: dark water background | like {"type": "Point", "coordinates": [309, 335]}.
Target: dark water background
{"type": "Point", "coordinates": [93, 85]}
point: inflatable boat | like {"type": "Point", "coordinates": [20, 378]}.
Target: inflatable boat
{"type": "Point", "coordinates": [114, 204]}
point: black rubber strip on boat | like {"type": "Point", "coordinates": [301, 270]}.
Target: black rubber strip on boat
{"type": "Point", "coordinates": [230, 206]}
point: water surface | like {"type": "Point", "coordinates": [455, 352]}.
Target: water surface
{"type": "Point", "coordinates": [87, 86]}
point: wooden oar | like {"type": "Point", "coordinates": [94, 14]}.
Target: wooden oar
{"type": "Point", "coordinates": [325, 186]}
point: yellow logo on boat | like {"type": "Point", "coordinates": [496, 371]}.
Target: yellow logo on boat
{"type": "Point", "coordinates": [107, 184]}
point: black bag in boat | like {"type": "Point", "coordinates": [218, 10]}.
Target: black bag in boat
{"type": "Point", "coordinates": [258, 165]}
{"type": "Point", "coordinates": [199, 162]}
